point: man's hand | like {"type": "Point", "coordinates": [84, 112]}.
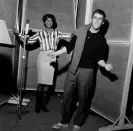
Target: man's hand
{"type": "Point", "coordinates": [108, 67]}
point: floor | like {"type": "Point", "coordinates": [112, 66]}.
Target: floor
{"type": "Point", "coordinates": [28, 120]}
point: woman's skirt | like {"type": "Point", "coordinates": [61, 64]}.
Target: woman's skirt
{"type": "Point", "coordinates": [45, 70]}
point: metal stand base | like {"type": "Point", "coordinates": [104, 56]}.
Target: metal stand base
{"type": "Point", "coordinates": [15, 100]}
{"type": "Point", "coordinates": [118, 125]}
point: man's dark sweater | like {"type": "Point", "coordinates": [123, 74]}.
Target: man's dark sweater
{"type": "Point", "coordinates": [93, 51]}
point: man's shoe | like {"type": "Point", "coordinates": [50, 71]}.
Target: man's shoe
{"type": "Point", "coordinates": [76, 128]}
{"type": "Point", "coordinates": [59, 126]}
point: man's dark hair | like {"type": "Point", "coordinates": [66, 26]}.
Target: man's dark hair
{"type": "Point", "coordinates": [101, 12]}
{"type": "Point", "coordinates": [45, 17]}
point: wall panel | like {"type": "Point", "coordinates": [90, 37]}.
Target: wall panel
{"type": "Point", "coordinates": [120, 16]}
{"type": "Point", "coordinates": [109, 88]}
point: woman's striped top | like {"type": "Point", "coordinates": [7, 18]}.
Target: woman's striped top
{"type": "Point", "coordinates": [48, 41]}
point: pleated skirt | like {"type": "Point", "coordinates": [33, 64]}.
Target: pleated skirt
{"type": "Point", "coordinates": [45, 71]}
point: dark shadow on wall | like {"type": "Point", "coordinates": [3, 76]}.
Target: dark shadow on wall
{"type": "Point", "coordinates": [129, 110]}
{"type": "Point", "coordinates": [104, 28]}
{"type": "Point", "coordinates": [5, 74]}
{"type": "Point", "coordinates": [111, 76]}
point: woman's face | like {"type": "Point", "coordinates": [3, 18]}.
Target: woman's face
{"type": "Point", "coordinates": [48, 23]}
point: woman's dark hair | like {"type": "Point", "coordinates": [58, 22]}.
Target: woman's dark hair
{"type": "Point", "coordinates": [101, 12]}
{"type": "Point", "coordinates": [45, 17]}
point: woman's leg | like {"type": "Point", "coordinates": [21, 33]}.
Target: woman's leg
{"type": "Point", "coordinates": [48, 90]}
{"type": "Point", "coordinates": [39, 97]}
{"type": "Point", "coordinates": [51, 89]}
{"type": "Point", "coordinates": [45, 98]}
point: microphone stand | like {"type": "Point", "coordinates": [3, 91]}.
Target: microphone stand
{"type": "Point", "coordinates": [22, 77]}
{"type": "Point", "coordinates": [22, 73]}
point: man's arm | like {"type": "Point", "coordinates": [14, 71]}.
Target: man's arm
{"type": "Point", "coordinates": [108, 67]}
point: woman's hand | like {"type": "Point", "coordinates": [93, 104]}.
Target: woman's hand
{"type": "Point", "coordinates": [15, 31]}
{"type": "Point", "coordinates": [57, 53]}
{"type": "Point", "coordinates": [52, 55]}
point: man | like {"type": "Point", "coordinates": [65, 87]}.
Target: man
{"type": "Point", "coordinates": [88, 53]}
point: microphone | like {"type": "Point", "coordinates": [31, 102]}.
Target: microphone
{"type": "Point", "coordinates": [26, 32]}
{"type": "Point", "coordinates": [27, 27]}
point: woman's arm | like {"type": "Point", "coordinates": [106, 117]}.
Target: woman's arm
{"type": "Point", "coordinates": [30, 39]}
{"type": "Point", "coordinates": [65, 36]}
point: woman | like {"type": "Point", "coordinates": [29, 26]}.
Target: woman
{"type": "Point", "coordinates": [48, 39]}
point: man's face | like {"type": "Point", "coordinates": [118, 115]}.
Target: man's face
{"type": "Point", "coordinates": [97, 21]}
{"type": "Point", "coordinates": [49, 23]}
